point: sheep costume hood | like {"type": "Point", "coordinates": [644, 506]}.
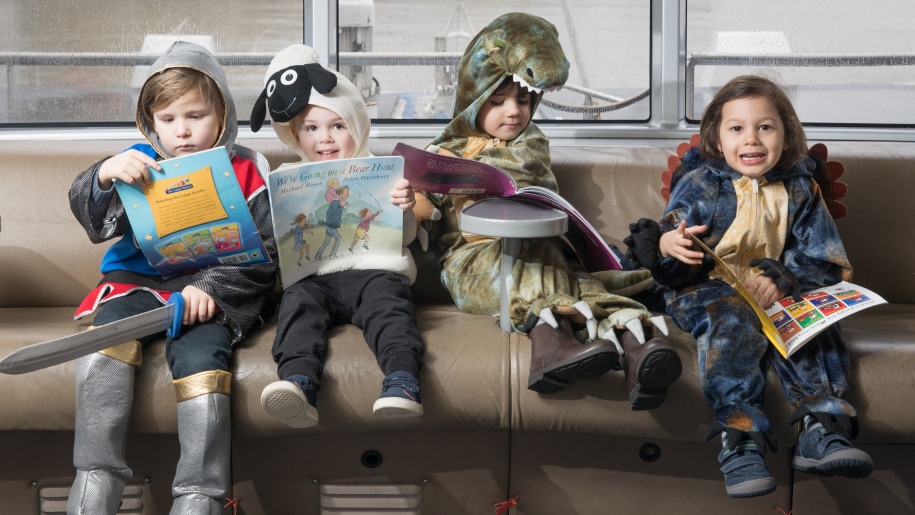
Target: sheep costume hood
{"type": "Point", "coordinates": [294, 80]}
{"type": "Point", "coordinates": [182, 54]}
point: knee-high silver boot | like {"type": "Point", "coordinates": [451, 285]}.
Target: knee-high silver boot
{"type": "Point", "coordinates": [205, 432]}
{"type": "Point", "coordinates": [104, 396]}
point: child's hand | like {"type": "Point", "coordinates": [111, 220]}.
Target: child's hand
{"type": "Point", "coordinates": [128, 167]}
{"type": "Point", "coordinates": [677, 242]}
{"type": "Point", "coordinates": [764, 290]}
{"type": "Point", "coordinates": [403, 195]}
{"type": "Point", "coordinates": [198, 305]}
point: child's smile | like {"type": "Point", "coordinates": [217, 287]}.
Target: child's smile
{"type": "Point", "coordinates": [751, 135]}
{"type": "Point", "coordinates": [322, 135]}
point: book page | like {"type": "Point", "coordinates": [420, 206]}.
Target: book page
{"type": "Point", "coordinates": [193, 214]}
{"type": "Point", "coordinates": [335, 215]}
{"type": "Point", "coordinates": [789, 324]}
{"type": "Point", "coordinates": [798, 322]}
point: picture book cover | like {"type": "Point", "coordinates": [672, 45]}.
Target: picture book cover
{"type": "Point", "coordinates": [790, 324]}
{"type": "Point", "coordinates": [328, 214]}
{"type": "Point", "coordinates": [192, 214]}
{"type": "Point", "coordinates": [438, 173]}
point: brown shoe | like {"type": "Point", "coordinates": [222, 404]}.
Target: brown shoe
{"type": "Point", "coordinates": [650, 368]}
{"type": "Point", "coordinates": [557, 357]}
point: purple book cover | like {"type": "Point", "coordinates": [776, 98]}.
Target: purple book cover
{"type": "Point", "coordinates": [437, 173]}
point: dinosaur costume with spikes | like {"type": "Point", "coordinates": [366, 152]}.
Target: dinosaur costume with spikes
{"type": "Point", "coordinates": [551, 292]}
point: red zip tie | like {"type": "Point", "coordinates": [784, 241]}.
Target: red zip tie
{"type": "Point", "coordinates": [503, 507]}
{"type": "Point", "coordinates": [234, 503]}
{"type": "Point", "coordinates": [783, 511]}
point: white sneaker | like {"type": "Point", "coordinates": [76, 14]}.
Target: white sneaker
{"type": "Point", "coordinates": [287, 402]}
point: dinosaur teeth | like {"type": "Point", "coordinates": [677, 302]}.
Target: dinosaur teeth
{"type": "Point", "coordinates": [523, 83]}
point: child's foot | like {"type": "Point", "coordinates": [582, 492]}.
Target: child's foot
{"type": "Point", "coordinates": [366, 247]}
{"type": "Point", "coordinates": [399, 396]}
{"type": "Point", "coordinates": [300, 262]}
{"type": "Point", "coordinates": [829, 454]}
{"type": "Point", "coordinates": [292, 400]}
{"type": "Point", "coordinates": [350, 250]}
{"type": "Point", "coordinates": [745, 472]}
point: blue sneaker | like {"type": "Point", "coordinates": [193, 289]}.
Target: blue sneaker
{"type": "Point", "coordinates": [292, 400]}
{"type": "Point", "coordinates": [745, 472]}
{"type": "Point", "coordinates": [829, 454]}
{"type": "Point", "coordinates": [399, 396]}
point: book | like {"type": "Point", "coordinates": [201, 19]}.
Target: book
{"type": "Point", "coordinates": [438, 173]}
{"type": "Point", "coordinates": [329, 215]}
{"type": "Point", "coordinates": [789, 324]}
{"type": "Point", "coordinates": [192, 214]}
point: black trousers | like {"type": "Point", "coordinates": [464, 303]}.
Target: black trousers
{"type": "Point", "coordinates": [376, 301]}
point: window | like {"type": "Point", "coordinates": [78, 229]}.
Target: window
{"type": "Point", "coordinates": [82, 62]}
{"type": "Point", "coordinates": [607, 44]}
{"type": "Point", "coordinates": [841, 61]}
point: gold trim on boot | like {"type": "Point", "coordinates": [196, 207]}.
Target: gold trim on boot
{"type": "Point", "coordinates": [202, 383]}
{"type": "Point", "coordinates": [128, 352]}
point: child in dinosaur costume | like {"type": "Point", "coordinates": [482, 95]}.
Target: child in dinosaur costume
{"type": "Point", "coordinates": [749, 193]}
{"type": "Point", "coordinates": [502, 76]}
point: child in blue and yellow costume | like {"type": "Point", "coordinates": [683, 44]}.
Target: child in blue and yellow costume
{"type": "Point", "coordinates": [570, 315]}
{"type": "Point", "coordinates": [749, 193]}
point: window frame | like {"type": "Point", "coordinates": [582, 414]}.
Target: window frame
{"type": "Point", "coordinates": [667, 98]}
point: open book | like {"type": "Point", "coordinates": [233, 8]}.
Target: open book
{"type": "Point", "coordinates": [790, 324]}
{"type": "Point", "coordinates": [329, 214]}
{"type": "Point", "coordinates": [438, 173]}
{"type": "Point", "coordinates": [192, 214]}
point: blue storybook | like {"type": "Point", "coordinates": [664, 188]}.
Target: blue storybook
{"type": "Point", "coordinates": [192, 214]}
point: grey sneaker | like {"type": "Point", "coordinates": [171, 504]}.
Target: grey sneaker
{"type": "Point", "coordinates": [292, 400]}
{"type": "Point", "coordinates": [829, 454]}
{"type": "Point", "coordinates": [745, 472]}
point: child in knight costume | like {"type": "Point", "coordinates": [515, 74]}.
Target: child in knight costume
{"type": "Point", "coordinates": [185, 106]}
{"type": "Point", "coordinates": [749, 192]}
{"type": "Point", "coordinates": [502, 75]}
{"type": "Point", "coordinates": [321, 115]}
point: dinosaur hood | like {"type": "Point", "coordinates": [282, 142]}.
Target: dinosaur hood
{"type": "Point", "coordinates": [182, 54]}
{"type": "Point", "coordinates": [517, 45]}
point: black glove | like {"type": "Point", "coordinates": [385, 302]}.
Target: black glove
{"type": "Point", "coordinates": [644, 242]}
{"type": "Point", "coordinates": [780, 275]}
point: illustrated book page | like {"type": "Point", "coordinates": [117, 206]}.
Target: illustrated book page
{"type": "Point", "coordinates": [330, 215]}
{"type": "Point", "coordinates": [192, 214]}
{"type": "Point", "coordinates": [789, 324]}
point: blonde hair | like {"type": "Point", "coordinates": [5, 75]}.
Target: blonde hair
{"type": "Point", "coordinates": [332, 182]}
{"type": "Point", "coordinates": [171, 84]}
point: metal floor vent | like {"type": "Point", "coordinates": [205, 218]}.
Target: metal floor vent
{"type": "Point", "coordinates": [53, 500]}
{"type": "Point", "coordinates": [370, 499]}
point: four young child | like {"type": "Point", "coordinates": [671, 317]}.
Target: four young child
{"type": "Point", "coordinates": [749, 192]}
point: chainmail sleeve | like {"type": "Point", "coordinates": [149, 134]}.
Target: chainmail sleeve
{"type": "Point", "coordinates": [242, 292]}
{"type": "Point", "coordinates": [102, 221]}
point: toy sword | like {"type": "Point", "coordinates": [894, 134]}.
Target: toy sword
{"type": "Point", "coordinates": [54, 352]}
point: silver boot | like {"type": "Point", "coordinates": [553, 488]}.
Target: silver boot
{"type": "Point", "coordinates": [104, 396]}
{"type": "Point", "coordinates": [204, 469]}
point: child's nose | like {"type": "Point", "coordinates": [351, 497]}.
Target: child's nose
{"type": "Point", "coordinates": [512, 108]}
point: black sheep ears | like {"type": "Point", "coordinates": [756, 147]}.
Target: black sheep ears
{"type": "Point", "coordinates": [322, 79]}
{"type": "Point", "coordinates": [259, 111]}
